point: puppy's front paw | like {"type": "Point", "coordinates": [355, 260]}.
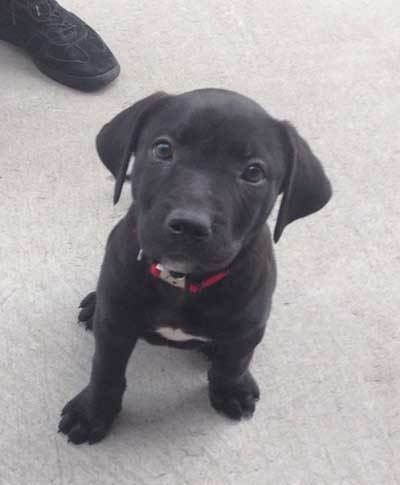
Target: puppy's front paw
{"type": "Point", "coordinates": [82, 420]}
{"type": "Point", "coordinates": [87, 306]}
{"type": "Point", "coordinates": [236, 400]}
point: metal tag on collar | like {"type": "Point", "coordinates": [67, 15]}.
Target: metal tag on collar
{"type": "Point", "coordinates": [165, 275]}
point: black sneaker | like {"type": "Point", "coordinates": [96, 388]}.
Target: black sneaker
{"type": "Point", "coordinates": [61, 45]}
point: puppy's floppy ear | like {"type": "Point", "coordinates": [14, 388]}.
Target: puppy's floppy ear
{"type": "Point", "coordinates": [117, 140]}
{"type": "Point", "coordinates": [306, 188]}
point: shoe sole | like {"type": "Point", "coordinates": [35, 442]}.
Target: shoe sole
{"type": "Point", "coordinates": [81, 83]}
{"type": "Point", "coordinates": [87, 84]}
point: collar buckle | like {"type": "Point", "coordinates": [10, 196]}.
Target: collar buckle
{"type": "Point", "coordinates": [182, 282]}
{"type": "Point", "coordinates": [165, 275]}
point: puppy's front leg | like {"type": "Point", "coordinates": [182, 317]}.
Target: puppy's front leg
{"type": "Point", "coordinates": [90, 414]}
{"type": "Point", "coordinates": [232, 389]}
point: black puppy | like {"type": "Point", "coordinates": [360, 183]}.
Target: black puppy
{"type": "Point", "coordinates": [191, 264]}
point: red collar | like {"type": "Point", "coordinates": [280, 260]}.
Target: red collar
{"type": "Point", "coordinates": [182, 282]}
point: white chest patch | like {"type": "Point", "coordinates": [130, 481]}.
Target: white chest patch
{"type": "Point", "coordinates": [178, 335]}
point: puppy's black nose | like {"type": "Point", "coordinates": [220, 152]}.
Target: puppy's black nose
{"type": "Point", "coordinates": [188, 223]}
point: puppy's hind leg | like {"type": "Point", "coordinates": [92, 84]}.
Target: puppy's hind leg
{"type": "Point", "coordinates": [87, 306]}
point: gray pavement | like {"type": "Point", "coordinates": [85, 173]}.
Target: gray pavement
{"type": "Point", "coordinates": [329, 366]}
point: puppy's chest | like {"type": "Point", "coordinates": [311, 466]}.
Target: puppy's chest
{"type": "Point", "coordinates": [176, 334]}
{"type": "Point", "coordinates": [178, 326]}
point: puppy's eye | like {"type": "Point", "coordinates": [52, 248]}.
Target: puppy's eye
{"type": "Point", "coordinates": [254, 173]}
{"type": "Point", "coordinates": [162, 150]}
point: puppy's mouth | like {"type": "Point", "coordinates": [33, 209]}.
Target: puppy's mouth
{"type": "Point", "coordinates": [180, 266]}
{"type": "Point", "coordinates": [177, 267]}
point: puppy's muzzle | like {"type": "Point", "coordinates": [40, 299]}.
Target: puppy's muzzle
{"type": "Point", "coordinates": [188, 225]}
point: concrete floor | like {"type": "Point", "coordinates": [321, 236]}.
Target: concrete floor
{"type": "Point", "coordinates": [329, 366]}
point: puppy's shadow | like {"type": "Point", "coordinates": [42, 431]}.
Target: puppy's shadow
{"type": "Point", "coordinates": [182, 362]}
{"type": "Point", "coordinates": [196, 359]}
{"type": "Point", "coordinates": [166, 384]}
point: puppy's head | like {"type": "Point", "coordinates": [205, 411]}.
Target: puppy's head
{"type": "Point", "coordinates": [209, 166]}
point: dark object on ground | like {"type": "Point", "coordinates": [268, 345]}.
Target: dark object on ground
{"type": "Point", "coordinates": [61, 45]}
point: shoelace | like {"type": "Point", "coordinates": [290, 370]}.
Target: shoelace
{"type": "Point", "coordinates": [44, 11]}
